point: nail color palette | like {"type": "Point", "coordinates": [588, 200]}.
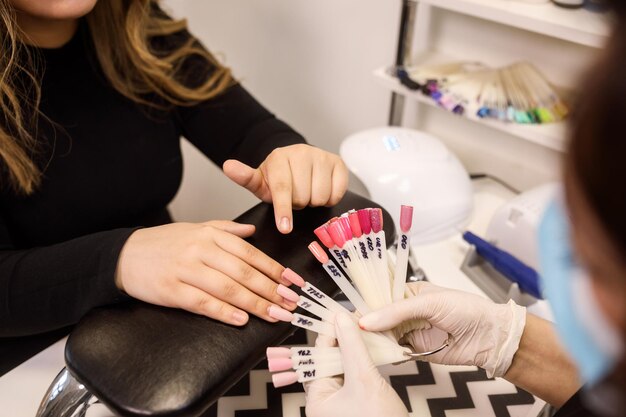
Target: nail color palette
{"type": "Point", "coordinates": [359, 265]}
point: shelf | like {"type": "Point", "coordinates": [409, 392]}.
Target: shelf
{"type": "Point", "coordinates": [580, 26]}
{"type": "Point", "coordinates": [550, 135]}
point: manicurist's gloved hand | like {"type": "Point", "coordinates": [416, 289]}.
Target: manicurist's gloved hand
{"type": "Point", "coordinates": [294, 176]}
{"type": "Point", "coordinates": [484, 333]}
{"type": "Point", "coordinates": [361, 391]}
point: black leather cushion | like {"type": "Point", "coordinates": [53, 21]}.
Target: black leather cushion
{"type": "Point", "coordinates": [140, 359]}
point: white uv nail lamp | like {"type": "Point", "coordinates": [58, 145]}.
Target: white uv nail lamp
{"type": "Point", "coordinates": [404, 166]}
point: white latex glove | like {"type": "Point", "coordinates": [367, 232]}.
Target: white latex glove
{"type": "Point", "coordinates": [484, 333]}
{"type": "Point", "coordinates": [362, 391]}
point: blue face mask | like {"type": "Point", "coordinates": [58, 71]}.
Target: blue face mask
{"type": "Point", "coordinates": [594, 344]}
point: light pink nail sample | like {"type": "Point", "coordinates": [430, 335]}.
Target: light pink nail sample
{"type": "Point", "coordinates": [279, 364]}
{"type": "Point", "coordinates": [284, 378]}
{"type": "Point", "coordinates": [277, 352]}
{"type": "Point", "coordinates": [318, 252]}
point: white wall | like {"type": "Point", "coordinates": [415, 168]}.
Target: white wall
{"type": "Point", "coordinates": [310, 62]}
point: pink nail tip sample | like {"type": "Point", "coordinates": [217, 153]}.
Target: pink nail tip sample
{"type": "Point", "coordinates": [336, 233]}
{"type": "Point", "coordinates": [376, 217]}
{"type": "Point", "coordinates": [277, 352]}
{"type": "Point", "coordinates": [324, 237]}
{"type": "Point", "coordinates": [406, 218]}
{"type": "Point", "coordinates": [345, 227]}
{"type": "Point", "coordinates": [293, 277]}
{"type": "Point", "coordinates": [287, 293]}
{"type": "Point", "coordinates": [284, 378]}
{"type": "Point", "coordinates": [279, 364]}
{"type": "Point", "coordinates": [279, 313]}
{"type": "Point", "coordinates": [355, 226]}
{"type": "Point", "coordinates": [319, 253]}
{"type": "Point", "coordinates": [364, 221]}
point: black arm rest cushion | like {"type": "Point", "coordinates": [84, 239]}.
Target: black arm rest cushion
{"type": "Point", "coordinates": [144, 360]}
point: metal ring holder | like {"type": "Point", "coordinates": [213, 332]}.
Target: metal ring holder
{"type": "Point", "coordinates": [418, 355]}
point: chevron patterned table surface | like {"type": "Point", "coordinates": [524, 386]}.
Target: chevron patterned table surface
{"type": "Point", "coordinates": [428, 390]}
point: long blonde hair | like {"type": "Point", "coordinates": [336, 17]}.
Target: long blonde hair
{"type": "Point", "coordinates": [121, 31]}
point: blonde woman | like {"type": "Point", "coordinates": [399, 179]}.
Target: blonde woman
{"type": "Point", "coordinates": [94, 97]}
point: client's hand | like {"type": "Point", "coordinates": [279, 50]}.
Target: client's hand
{"type": "Point", "coordinates": [361, 392]}
{"type": "Point", "coordinates": [294, 176]}
{"type": "Point", "coordinates": [484, 334]}
{"type": "Point", "coordinates": [204, 268]}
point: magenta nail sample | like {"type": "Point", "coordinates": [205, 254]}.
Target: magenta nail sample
{"type": "Point", "coordinates": [376, 217]}
{"type": "Point", "coordinates": [364, 221]}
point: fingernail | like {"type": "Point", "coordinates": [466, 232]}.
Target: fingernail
{"type": "Point", "coordinates": [289, 304]}
{"type": "Point", "coordinates": [285, 225]}
{"type": "Point", "coordinates": [279, 313]}
{"type": "Point", "coordinates": [287, 294]}
{"type": "Point", "coordinates": [367, 320]}
{"type": "Point", "coordinates": [292, 277]}
{"type": "Point", "coordinates": [240, 317]}
{"type": "Point", "coordinates": [285, 282]}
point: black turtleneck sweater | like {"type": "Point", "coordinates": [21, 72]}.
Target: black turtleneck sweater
{"type": "Point", "coordinates": [109, 166]}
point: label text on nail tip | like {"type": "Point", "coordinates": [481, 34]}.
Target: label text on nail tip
{"type": "Point", "coordinates": [304, 322]}
{"type": "Point", "coordinates": [403, 241]}
{"type": "Point", "coordinates": [339, 257]}
{"type": "Point", "coordinates": [315, 293]}
{"type": "Point", "coordinates": [333, 270]}
{"type": "Point", "coordinates": [363, 250]}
